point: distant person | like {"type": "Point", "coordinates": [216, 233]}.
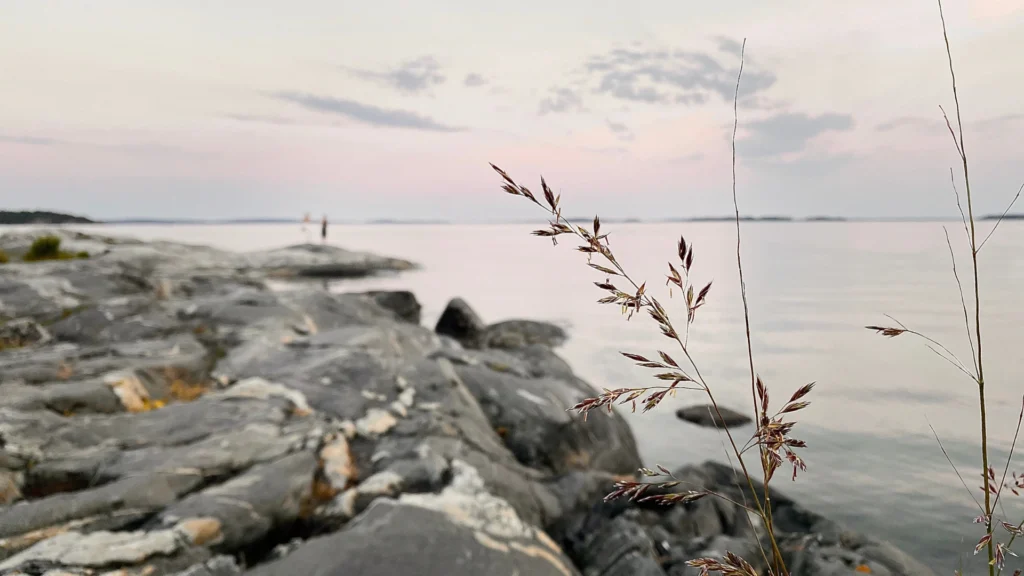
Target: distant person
{"type": "Point", "coordinates": [323, 230]}
{"type": "Point", "coordinates": [306, 220]}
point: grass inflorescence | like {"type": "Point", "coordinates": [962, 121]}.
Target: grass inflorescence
{"type": "Point", "coordinates": [772, 438]}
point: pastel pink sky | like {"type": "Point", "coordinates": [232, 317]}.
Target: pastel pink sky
{"type": "Point", "coordinates": [392, 109]}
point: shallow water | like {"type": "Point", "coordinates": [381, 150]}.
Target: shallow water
{"type": "Point", "coordinates": [873, 461]}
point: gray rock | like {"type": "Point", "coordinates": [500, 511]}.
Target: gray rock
{"type": "Point", "coordinates": [520, 333]}
{"type": "Point", "coordinates": [216, 566]}
{"type": "Point", "coordinates": [249, 506]}
{"type": "Point", "coordinates": [89, 396]}
{"type": "Point", "coordinates": [321, 261]}
{"type": "Point", "coordinates": [531, 415]}
{"type": "Point", "coordinates": [61, 361]}
{"type": "Point", "coordinates": [616, 547]}
{"type": "Point", "coordinates": [104, 508]}
{"type": "Point", "coordinates": [117, 319]}
{"type": "Point", "coordinates": [85, 553]}
{"type": "Point", "coordinates": [22, 332]}
{"type": "Point", "coordinates": [460, 322]}
{"type": "Point", "coordinates": [402, 302]}
{"type": "Point", "coordinates": [705, 415]}
{"type": "Point", "coordinates": [450, 534]}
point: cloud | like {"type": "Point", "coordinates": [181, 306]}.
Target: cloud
{"type": "Point", "coordinates": [652, 76]}
{"type": "Point", "coordinates": [621, 131]}
{"type": "Point", "coordinates": [411, 77]}
{"type": "Point", "coordinates": [927, 124]}
{"type": "Point", "coordinates": [998, 122]}
{"type": "Point", "coordinates": [913, 122]}
{"type": "Point", "coordinates": [561, 100]}
{"type": "Point", "coordinates": [31, 140]}
{"type": "Point", "coordinates": [364, 113]}
{"type": "Point", "coordinates": [789, 132]}
{"type": "Point", "coordinates": [729, 46]}
{"type": "Point", "coordinates": [145, 148]}
{"type": "Point", "coordinates": [473, 80]}
{"type": "Point", "coordinates": [260, 118]}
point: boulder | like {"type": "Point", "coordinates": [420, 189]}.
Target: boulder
{"type": "Point", "coordinates": [532, 417]}
{"type": "Point", "coordinates": [521, 333]}
{"type": "Point", "coordinates": [460, 322]}
{"type": "Point", "coordinates": [402, 302]}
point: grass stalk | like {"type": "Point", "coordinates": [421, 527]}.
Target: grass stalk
{"type": "Point", "coordinates": [961, 148]}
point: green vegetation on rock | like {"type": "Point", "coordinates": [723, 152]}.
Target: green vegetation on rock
{"type": "Point", "coordinates": [48, 248]}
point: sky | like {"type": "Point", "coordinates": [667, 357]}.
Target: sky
{"type": "Point", "coordinates": [394, 109]}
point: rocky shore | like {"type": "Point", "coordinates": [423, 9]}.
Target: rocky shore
{"type": "Point", "coordinates": [163, 411]}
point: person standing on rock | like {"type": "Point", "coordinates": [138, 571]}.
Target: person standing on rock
{"type": "Point", "coordinates": [323, 230]}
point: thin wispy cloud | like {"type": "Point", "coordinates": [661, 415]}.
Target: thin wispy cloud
{"type": "Point", "coordinates": [143, 148]}
{"type": "Point", "coordinates": [621, 131]}
{"type": "Point", "coordinates": [365, 113]}
{"type": "Point", "coordinates": [474, 80]}
{"type": "Point", "coordinates": [561, 100]}
{"type": "Point", "coordinates": [908, 122]}
{"type": "Point", "coordinates": [262, 119]}
{"type": "Point", "coordinates": [789, 132]}
{"type": "Point", "coordinates": [31, 140]}
{"type": "Point", "coordinates": [411, 77]}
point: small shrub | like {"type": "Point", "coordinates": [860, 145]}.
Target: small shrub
{"type": "Point", "coordinates": [44, 248]}
{"type": "Point", "coordinates": [4, 259]}
{"type": "Point", "coordinates": [48, 248]}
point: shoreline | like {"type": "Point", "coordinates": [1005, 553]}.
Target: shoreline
{"type": "Point", "coordinates": [153, 382]}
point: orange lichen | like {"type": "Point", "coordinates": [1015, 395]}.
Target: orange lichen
{"type": "Point", "coordinates": [182, 391]}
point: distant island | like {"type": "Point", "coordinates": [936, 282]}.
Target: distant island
{"type": "Point", "coordinates": [731, 219]}
{"type": "Point", "coordinates": [199, 221]}
{"type": "Point", "coordinates": [40, 217]}
{"type": "Point", "coordinates": [389, 221]}
{"type": "Point", "coordinates": [1007, 217]}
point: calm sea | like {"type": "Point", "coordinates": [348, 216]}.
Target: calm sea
{"type": "Point", "coordinates": [873, 461]}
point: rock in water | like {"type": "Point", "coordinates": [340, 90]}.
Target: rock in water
{"type": "Point", "coordinates": [460, 322]}
{"type": "Point", "coordinates": [705, 415]}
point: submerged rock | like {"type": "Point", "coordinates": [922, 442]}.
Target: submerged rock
{"type": "Point", "coordinates": [706, 415]}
